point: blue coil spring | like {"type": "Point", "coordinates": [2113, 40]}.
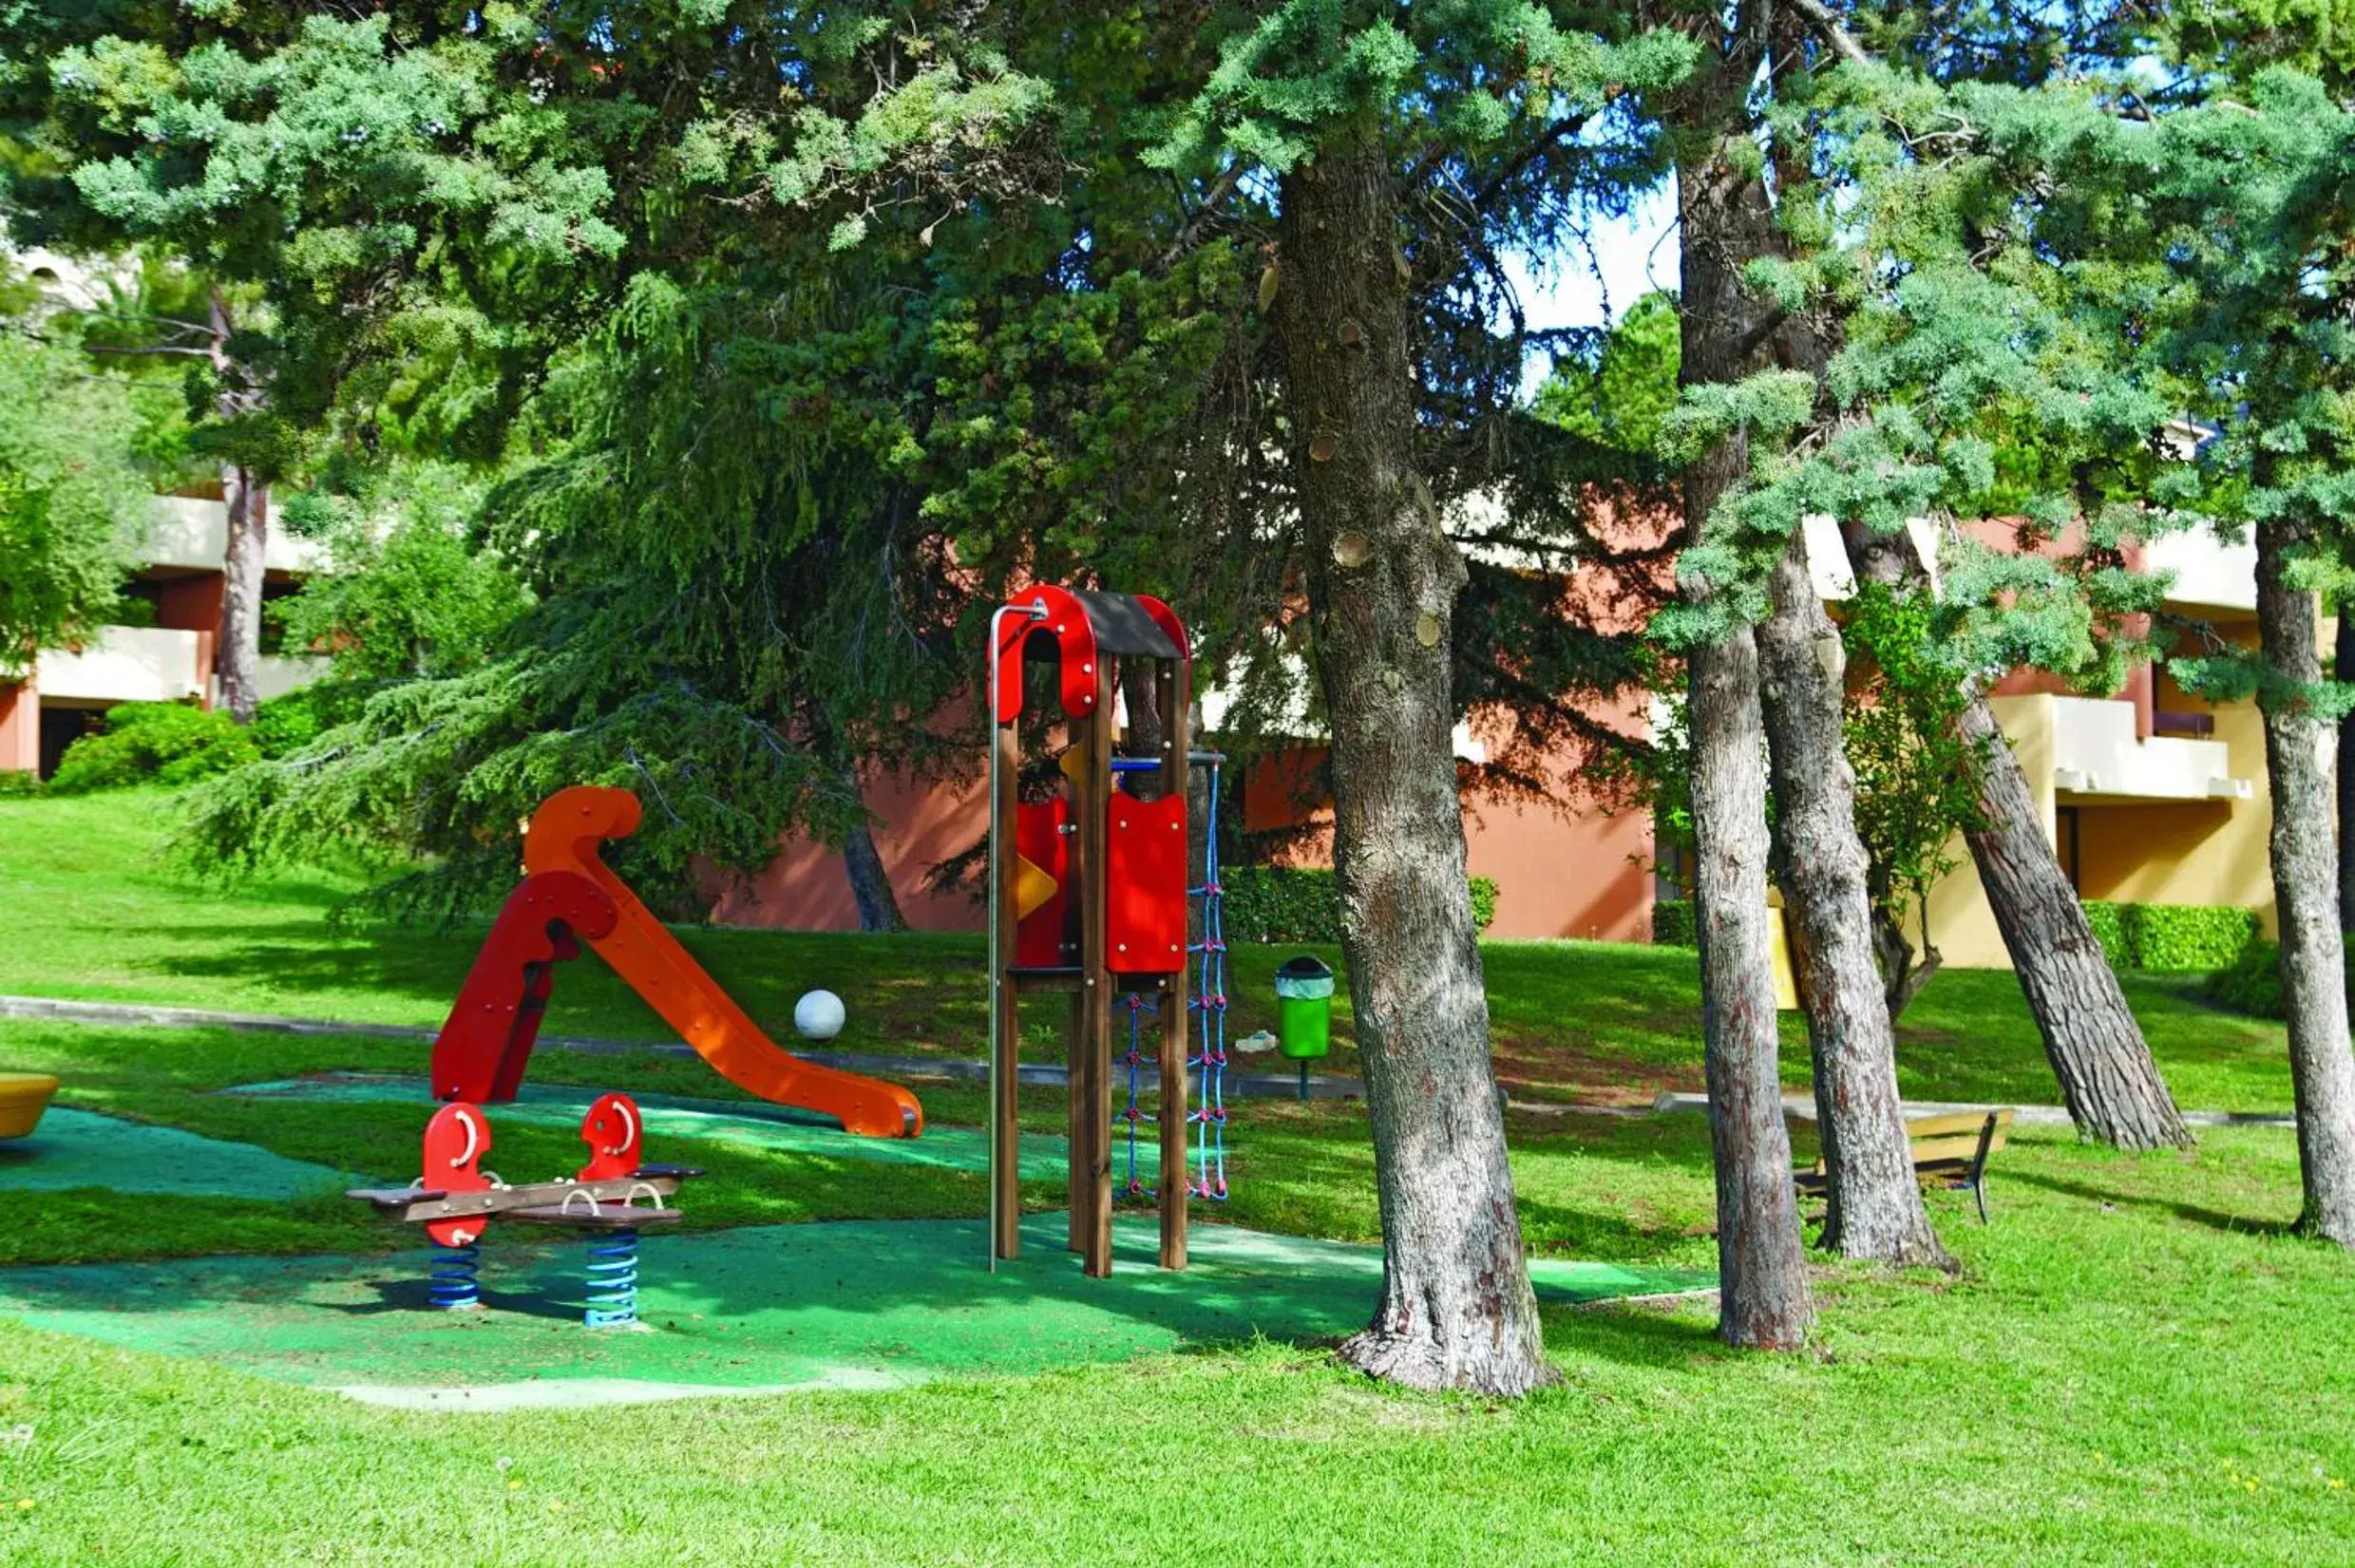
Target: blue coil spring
{"type": "Point", "coordinates": [613, 1280]}
{"type": "Point", "coordinates": [455, 1280]}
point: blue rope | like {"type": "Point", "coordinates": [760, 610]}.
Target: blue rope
{"type": "Point", "coordinates": [1209, 1002]}
{"type": "Point", "coordinates": [613, 1280]}
{"type": "Point", "coordinates": [1138, 1007]}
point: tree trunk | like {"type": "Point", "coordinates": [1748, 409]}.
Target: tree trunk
{"type": "Point", "coordinates": [1457, 1309]}
{"type": "Point", "coordinates": [1874, 1201]}
{"type": "Point", "coordinates": [2108, 1078]}
{"type": "Point", "coordinates": [2313, 959]}
{"type": "Point", "coordinates": [1763, 1296]}
{"type": "Point", "coordinates": [1763, 1301]}
{"type": "Point", "coordinates": [2343, 668]}
{"type": "Point", "coordinates": [1902, 979]}
{"type": "Point", "coordinates": [870, 884]}
{"type": "Point", "coordinates": [236, 654]}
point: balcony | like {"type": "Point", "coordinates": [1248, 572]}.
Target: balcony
{"type": "Point", "coordinates": [125, 664]}
{"type": "Point", "coordinates": [2209, 573]}
{"type": "Point", "coordinates": [2095, 751]}
{"type": "Point", "coordinates": [188, 534]}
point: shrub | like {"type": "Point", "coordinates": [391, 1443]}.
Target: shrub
{"type": "Point", "coordinates": [2181, 938]}
{"type": "Point", "coordinates": [153, 743]}
{"type": "Point", "coordinates": [2171, 938]}
{"type": "Point", "coordinates": [2109, 923]}
{"type": "Point", "coordinates": [2251, 984]}
{"type": "Point", "coordinates": [1301, 904]}
{"type": "Point", "coordinates": [285, 724]}
{"type": "Point", "coordinates": [1675, 923]}
{"type": "Point", "coordinates": [17, 781]}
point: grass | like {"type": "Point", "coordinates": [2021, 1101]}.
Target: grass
{"type": "Point", "coordinates": [1574, 1021]}
{"type": "Point", "coordinates": [2138, 1362]}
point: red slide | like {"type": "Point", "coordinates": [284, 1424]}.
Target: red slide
{"type": "Point", "coordinates": [480, 1052]}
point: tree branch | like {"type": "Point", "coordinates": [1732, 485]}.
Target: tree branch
{"type": "Point", "coordinates": [1837, 38]}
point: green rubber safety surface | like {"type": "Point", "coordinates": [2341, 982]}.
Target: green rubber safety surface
{"type": "Point", "coordinates": [78, 1149]}
{"type": "Point", "coordinates": [686, 1115]}
{"type": "Point", "coordinates": [838, 1305]}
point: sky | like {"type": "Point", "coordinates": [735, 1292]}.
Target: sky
{"type": "Point", "coordinates": [1634, 256]}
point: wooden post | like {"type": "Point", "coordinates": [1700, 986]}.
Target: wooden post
{"type": "Point", "coordinates": [1006, 998]}
{"type": "Point", "coordinates": [1096, 1040]}
{"type": "Point", "coordinates": [1176, 1027]}
{"type": "Point", "coordinates": [1076, 1121]}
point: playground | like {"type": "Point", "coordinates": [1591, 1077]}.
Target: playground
{"type": "Point", "coordinates": [862, 1387]}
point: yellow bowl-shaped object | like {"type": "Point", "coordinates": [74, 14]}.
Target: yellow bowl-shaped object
{"type": "Point", "coordinates": [22, 1097]}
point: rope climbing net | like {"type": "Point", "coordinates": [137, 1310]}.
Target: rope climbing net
{"type": "Point", "coordinates": [1207, 1003]}
{"type": "Point", "coordinates": [1206, 1061]}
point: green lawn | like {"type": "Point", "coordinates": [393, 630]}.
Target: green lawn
{"type": "Point", "coordinates": [2136, 1363]}
{"type": "Point", "coordinates": [99, 917]}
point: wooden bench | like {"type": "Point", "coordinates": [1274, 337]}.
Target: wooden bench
{"type": "Point", "coordinates": [1948, 1151]}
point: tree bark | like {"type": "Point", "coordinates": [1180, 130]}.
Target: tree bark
{"type": "Point", "coordinates": [1763, 1301]}
{"type": "Point", "coordinates": [236, 654]}
{"type": "Point", "coordinates": [1456, 1308]}
{"type": "Point", "coordinates": [1763, 1296]}
{"type": "Point", "coordinates": [2109, 1080]}
{"type": "Point", "coordinates": [1874, 1201]}
{"type": "Point", "coordinates": [870, 884]}
{"type": "Point", "coordinates": [1902, 979]}
{"type": "Point", "coordinates": [2298, 755]}
{"type": "Point", "coordinates": [2343, 668]}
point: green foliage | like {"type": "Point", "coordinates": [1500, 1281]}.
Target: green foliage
{"type": "Point", "coordinates": [170, 744]}
{"type": "Point", "coordinates": [73, 502]}
{"type": "Point", "coordinates": [1676, 922]}
{"type": "Point", "coordinates": [130, 610]}
{"type": "Point", "coordinates": [2173, 938]}
{"type": "Point", "coordinates": [1301, 904]}
{"type": "Point", "coordinates": [414, 600]}
{"type": "Point", "coordinates": [1622, 399]}
{"type": "Point", "coordinates": [2109, 926]}
{"type": "Point", "coordinates": [1916, 777]}
{"type": "Point", "coordinates": [286, 725]}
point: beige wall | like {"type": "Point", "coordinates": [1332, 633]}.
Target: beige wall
{"type": "Point", "coordinates": [2159, 852]}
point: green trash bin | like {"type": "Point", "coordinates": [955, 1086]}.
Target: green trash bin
{"type": "Point", "coordinates": [1304, 1011]}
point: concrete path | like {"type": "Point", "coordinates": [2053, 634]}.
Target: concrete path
{"type": "Point", "coordinates": [1240, 1084]}
{"type": "Point", "coordinates": [1255, 1086]}
{"type": "Point", "coordinates": [1801, 1108]}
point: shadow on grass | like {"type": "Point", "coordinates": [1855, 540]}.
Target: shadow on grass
{"type": "Point", "coordinates": [2193, 1213]}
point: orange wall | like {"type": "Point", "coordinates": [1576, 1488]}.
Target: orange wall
{"type": "Point", "coordinates": [20, 729]}
{"type": "Point", "coordinates": [804, 888]}
{"type": "Point", "coordinates": [1587, 874]}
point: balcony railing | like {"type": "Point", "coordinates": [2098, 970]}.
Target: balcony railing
{"type": "Point", "coordinates": [2095, 751]}
{"type": "Point", "coordinates": [125, 664]}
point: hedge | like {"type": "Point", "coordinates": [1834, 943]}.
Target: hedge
{"type": "Point", "coordinates": [2186, 938]}
{"type": "Point", "coordinates": [168, 744]}
{"type": "Point", "coordinates": [1300, 904]}
{"type": "Point", "coordinates": [2171, 938]}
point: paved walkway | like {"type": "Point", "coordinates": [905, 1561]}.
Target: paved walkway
{"type": "Point", "coordinates": [1255, 1086]}
{"type": "Point", "coordinates": [1260, 1085]}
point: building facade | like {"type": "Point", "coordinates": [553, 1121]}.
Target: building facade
{"type": "Point", "coordinates": [2151, 795]}
{"type": "Point", "coordinates": [179, 582]}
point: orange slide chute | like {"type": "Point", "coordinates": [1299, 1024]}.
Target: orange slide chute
{"type": "Point", "coordinates": [564, 835]}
